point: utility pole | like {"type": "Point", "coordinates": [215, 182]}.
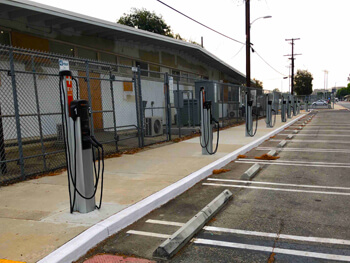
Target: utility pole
{"type": "Point", "coordinates": [292, 58]}
{"type": "Point", "coordinates": [247, 43]}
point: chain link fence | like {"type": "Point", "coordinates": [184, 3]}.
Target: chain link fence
{"type": "Point", "coordinates": [131, 108]}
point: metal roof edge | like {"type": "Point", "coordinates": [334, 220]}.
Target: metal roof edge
{"type": "Point", "coordinates": [35, 6]}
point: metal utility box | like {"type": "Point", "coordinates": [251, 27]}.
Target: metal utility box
{"type": "Point", "coordinates": [212, 93]}
{"type": "Point", "coordinates": [189, 113]}
{"type": "Point", "coordinates": [178, 98]}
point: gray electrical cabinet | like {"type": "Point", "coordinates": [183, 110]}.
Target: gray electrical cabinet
{"type": "Point", "coordinates": [212, 93]}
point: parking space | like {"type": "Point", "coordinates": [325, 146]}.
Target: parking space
{"type": "Point", "coordinates": [293, 210]}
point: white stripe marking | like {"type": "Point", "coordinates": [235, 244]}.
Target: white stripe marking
{"type": "Point", "coordinates": [162, 222]}
{"type": "Point", "coordinates": [271, 249]}
{"type": "Point", "coordinates": [313, 130]}
{"type": "Point", "coordinates": [326, 141]}
{"type": "Point", "coordinates": [326, 135]}
{"type": "Point", "coordinates": [278, 189]}
{"type": "Point", "coordinates": [269, 183]}
{"type": "Point", "coordinates": [148, 234]}
{"type": "Point", "coordinates": [296, 164]}
{"type": "Point", "coordinates": [260, 234]}
{"type": "Point", "coordinates": [286, 161]}
{"type": "Point", "coordinates": [303, 150]}
{"type": "Point", "coordinates": [251, 247]}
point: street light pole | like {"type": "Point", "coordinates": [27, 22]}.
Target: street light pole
{"type": "Point", "coordinates": [247, 43]}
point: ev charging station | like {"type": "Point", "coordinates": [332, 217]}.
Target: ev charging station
{"type": "Point", "coordinates": [283, 109]}
{"type": "Point", "coordinates": [295, 105]}
{"type": "Point", "coordinates": [270, 121]}
{"type": "Point", "coordinates": [80, 144]}
{"type": "Point", "coordinates": [298, 107]}
{"type": "Point", "coordinates": [206, 139]}
{"type": "Point", "coordinates": [289, 106]}
{"type": "Point", "coordinates": [249, 103]}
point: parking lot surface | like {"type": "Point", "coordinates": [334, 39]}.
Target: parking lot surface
{"type": "Point", "coordinates": [293, 210]}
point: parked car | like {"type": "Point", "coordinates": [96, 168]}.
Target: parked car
{"type": "Point", "coordinates": [319, 103]}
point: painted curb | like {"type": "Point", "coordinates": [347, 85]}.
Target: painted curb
{"type": "Point", "coordinates": [251, 172]}
{"type": "Point", "coordinates": [179, 239]}
{"type": "Point", "coordinates": [295, 131]}
{"type": "Point", "coordinates": [79, 245]}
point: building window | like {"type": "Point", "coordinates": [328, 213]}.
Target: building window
{"type": "Point", "coordinates": [143, 67]}
{"type": "Point", "coordinates": [175, 74]}
{"type": "Point", "coordinates": [184, 76]}
{"type": "Point", "coordinates": [125, 62]}
{"type": "Point", "coordinates": [62, 49]}
{"type": "Point", "coordinates": [4, 37]}
{"type": "Point", "coordinates": [109, 58]}
{"type": "Point", "coordinates": [156, 69]}
{"type": "Point", "coordinates": [87, 53]}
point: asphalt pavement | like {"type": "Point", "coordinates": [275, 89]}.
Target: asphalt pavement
{"type": "Point", "coordinates": [294, 210]}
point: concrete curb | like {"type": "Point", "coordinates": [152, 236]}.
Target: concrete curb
{"type": "Point", "coordinates": [78, 246]}
{"type": "Point", "coordinates": [179, 239]}
{"type": "Point", "coordinates": [251, 172]}
{"type": "Point", "coordinates": [282, 144]}
{"type": "Point", "coordinates": [272, 152]}
{"type": "Point", "coordinates": [290, 136]}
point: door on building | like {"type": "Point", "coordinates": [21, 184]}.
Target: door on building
{"type": "Point", "coordinates": [96, 99]}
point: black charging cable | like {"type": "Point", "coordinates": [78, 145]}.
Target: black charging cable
{"type": "Point", "coordinates": [206, 142]}
{"type": "Point", "coordinates": [250, 130]}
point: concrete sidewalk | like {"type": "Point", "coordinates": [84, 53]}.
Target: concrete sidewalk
{"type": "Point", "coordinates": [34, 215]}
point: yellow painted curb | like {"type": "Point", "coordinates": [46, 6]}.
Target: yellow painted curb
{"type": "Point", "coordinates": [10, 261]}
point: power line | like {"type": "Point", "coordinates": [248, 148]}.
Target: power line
{"type": "Point", "coordinates": [268, 63]}
{"type": "Point", "coordinates": [243, 44]}
{"type": "Point", "coordinates": [201, 23]}
{"type": "Point", "coordinates": [239, 51]}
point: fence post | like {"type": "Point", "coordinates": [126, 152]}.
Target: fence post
{"type": "Point", "coordinates": [222, 106]}
{"type": "Point", "coordinates": [167, 106]}
{"type": "Point", "coordinates": [178, 107]}
{"type": "Point", "coordinates": [142, 117]}
{"type": "Point", "coordinates": [2, 147]}
{"type": "Point", "coordinates": [137, 107]}
{"type": "Point", "coordinates": [39, 115]}
{"type": "Point", "coordinates": [89, 95]}
{"type": "Point", "coordinates": [15, 102]}
{"type": "Point", "coordinates": [111, 77]}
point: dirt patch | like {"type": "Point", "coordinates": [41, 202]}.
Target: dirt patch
{"type": "Point", "coordinates": [267, 157]}
{"type": "Point", "coordinates": [220, 171]}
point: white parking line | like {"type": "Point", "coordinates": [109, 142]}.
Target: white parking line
{"type": "Point", "coordinates": [313, 130]}
{"type": "Point", "coordinates": [330, 135]}
{"type": "Point", "coordinates": [326, 141]}
{"type": "Point", "coordinates": [148, 234]}
{"type": "Point", "coordinates": [293, 252]}
{"type": "Point", "coordinates": [281, 184]}
{"type": "Point", "coordinates": [163, 222]}
{"type": "Point", "coordinates": [296, 164]}
{"type": "Point", "coordinates": [311, 150]}
{"type": "Point", "coordinates": [277, 189]}
{"type": "Point", "coordinates": [256, 233]}
{"type": "Point", "coordinates": [271, 249]}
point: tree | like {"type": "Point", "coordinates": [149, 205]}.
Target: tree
{"type": "Point", "coordinates": [258, 84]}
{"type": "Point", "coordinates": [303, 82]}
{"type": "Point", "coordinates": [146, 20]}
{"type": "Point", "coordinates": [343, 92]}
{"type": "Point", "coordinates": [276, 90]}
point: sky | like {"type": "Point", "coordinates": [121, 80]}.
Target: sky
{"type": "Point", "coordinates": [321, 26]}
